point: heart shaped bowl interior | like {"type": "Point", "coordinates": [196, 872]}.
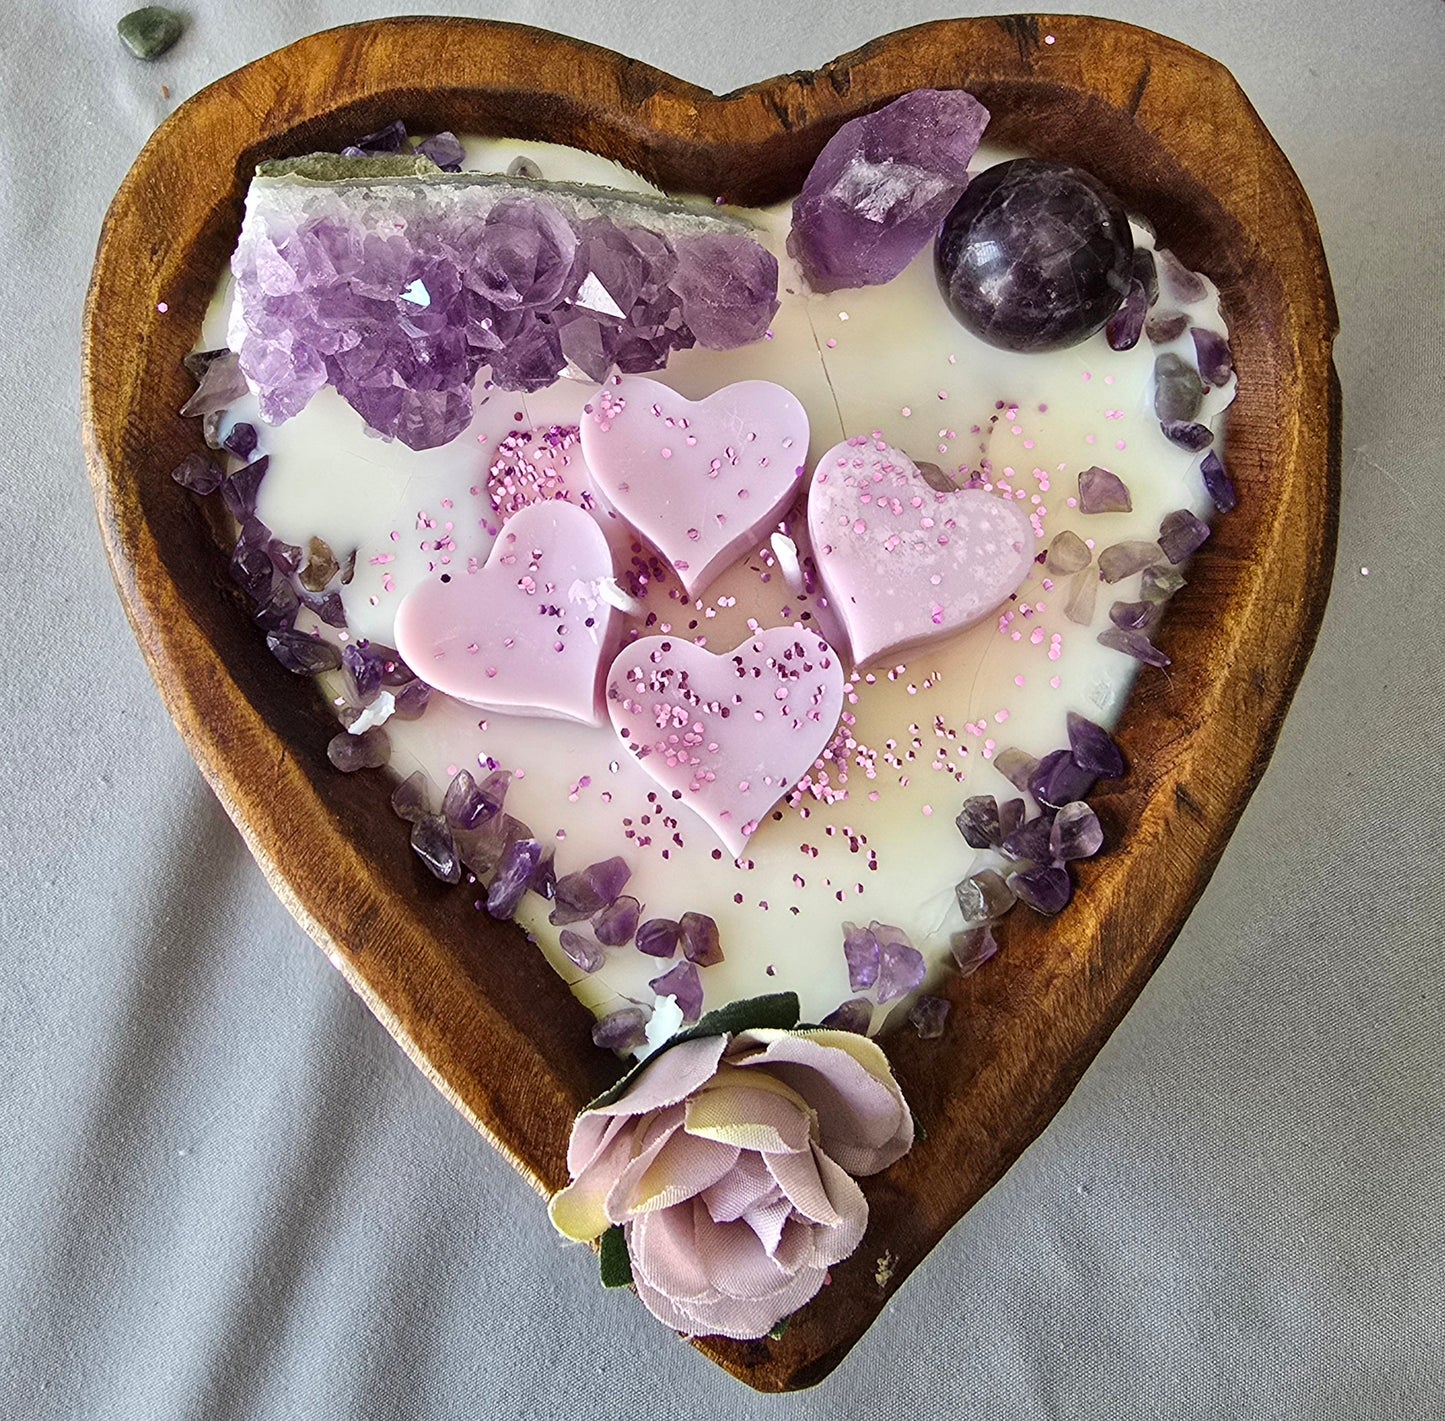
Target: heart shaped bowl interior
{"type": "Point", "coordinates": [477, 1008]}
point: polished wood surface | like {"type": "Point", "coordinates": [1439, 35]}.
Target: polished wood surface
{"type": "Point", "coordinates": [471, 1002]}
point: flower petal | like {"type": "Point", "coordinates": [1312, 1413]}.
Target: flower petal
{"type": "Point", "coordinates": [767, 1222]}
{"type": "Point", "coordinates": [798, 1178]}
{"type": "Point", "coordinates": [833, 1243]}
{"type": "Point", "coordinates": [580, 1210]}
{"type": "Point", "coordinates": [685, 1166]}
{"type": "Point", "coordinates": [743, 1187]}
{"type": "Point", "coordinates": [751, 1119]}
{"type": "Point", "coordinates": [668, 1077]}
{"type": "Point", "coordinates": [736, 1262]}
{"type": "Point", "coordinates": [663, 1249]}
{"type": "Point", "coordinates": [647, 1144]}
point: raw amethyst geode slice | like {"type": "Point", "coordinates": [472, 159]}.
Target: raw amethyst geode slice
{"type": "Point", "coordinates": [397, 282]}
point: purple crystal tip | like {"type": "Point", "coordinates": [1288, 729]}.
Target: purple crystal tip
{"type": "Point", "coordinates": [684, 984]}
{"type": "Point", "coordinates": [855, 1015]}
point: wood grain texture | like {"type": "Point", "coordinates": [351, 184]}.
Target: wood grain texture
{"type": "Point", "coordinates": [472, 1003]}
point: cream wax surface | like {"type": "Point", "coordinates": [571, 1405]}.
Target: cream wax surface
{"type": "Point", "coordinates": [869, 833]}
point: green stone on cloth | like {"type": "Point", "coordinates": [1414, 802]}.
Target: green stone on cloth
{"type": "Point", "coordinates": [149, 32]}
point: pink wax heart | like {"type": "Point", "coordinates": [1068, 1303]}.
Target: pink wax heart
{"type": "Point", "coordinates": [728, 735]}
{"type": "Point", "coordinates": [699, 480]}
{"type": "Point", "coordinates": [528, 633]}
{"type": "Point", "coordinates": [903, 562]}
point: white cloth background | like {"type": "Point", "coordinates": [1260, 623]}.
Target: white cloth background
{"type": "Point", "coordinates": [224, 1192]}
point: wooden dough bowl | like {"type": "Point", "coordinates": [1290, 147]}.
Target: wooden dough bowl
{"type": "Point", "coordinates": [476, 1007]}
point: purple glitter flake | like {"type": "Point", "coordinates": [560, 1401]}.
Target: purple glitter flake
{"type": "Point", "coordinates": [861, 950]}
{"type": "Point", "coordinates": [1217, 483]}
{"type": "Point", "coordinates": [584, 953]}
{"type": "Point", "coordinates": [581, 894]}
{"type": "Point", "coordinates": [514, 874]}
{"type": "Point", "coordinates": [1182, 534]}
{"type": "Point", "coordinates": [1076, 833]}
{"type": "Point", "coordinates": [1101, 491]}
{"type": "Point", "coordinates": [1193, 437]}
{"type": "Point", "coordinates": [657, 937]}
{"type": "Point", "coordinates": [881, 187]}
{"type": "Point", "coordinates": [198, 473]}
{"type": "Point", "coordinates": [901, 969]}
{"type": "Point", "coordinates": [1046, 889]}
{"type": "Point", "coordinates": [1093, 748]}
{"type": "Point", "coordinates": [701, 942]}
{"type": "Point", "coordinates": [435, 847]}
{"type": "Point", "coordinates": [684, 984]}
{"type": "Point", "coordinates": [367, 751]}
{"type": "Point", "coordinates": [1134, 644]}
{"type": "Point", "coordinates": [616, 924]}
{"type": "Point", "coordinates": [927, 1016]}
{"type": "Point", "coordinates": [302, 655]}
{"type": "Point", "coordinates": [1060, 779]}
{"type": "Point", "coordinates": [623, 1030]}
{"type": "Point", "coordinates": [974, 946]}
{"type": "Point", "coordinates": [855, 1015]}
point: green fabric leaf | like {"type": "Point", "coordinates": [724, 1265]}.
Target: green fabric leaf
{"type": "Point", "coordinates": [616, 1264]}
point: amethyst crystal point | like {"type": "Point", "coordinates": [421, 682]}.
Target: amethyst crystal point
{"type": "Point", "coordinates": [978, 822]}
{"type": "Point", "coordinates": [861, 949]}
{"type": "Point", "coordinates": [1036, 255]}
{"type": "Point", "coordinates": [855, 1015]}
{"type": "Point", "coordinates": [1134, 616]}
{"type": "Point", "coordinates": [1093, 748]}
{"type": "Point", "coordinates": [1181, 534]}
{"type": "Point", "coordinates": [1060, 779]}
{"type": "Point", "coordinates": [221, 385]}
{"type": "Point", "coordinates": [1015, 766]}
{"type": "Point", "coordinates": [623, 1030]}
{"type": "Point", "coordinates": [445, 150]}
{"type": "Point", "coordinates": [985, 897]}
{"type": "Point", "coordinates": [513, 876]}
{"type": "Point", "coordinates": [239, 490]}
{"type": "Point", "coordinates": [1121, 560]}
{"type": "Point", "coordinates": [411, 799]}
{"type": "Point", "coordinates": [728, 285]}
{"type": "Point", "coordinates": [1217, 483]}
{"type": "Point", "coordinates": [301, 654]}
{"type": "Point", "coordinates": [700, 940]}
{"type": "Point", "coordinates": [1068, 553]}
{"type": "Point", "coordinates": [901, 968]}
{"type": "Point", "coordinates": [1102, 491]}
{"type": "Point", "coordinates": [657, 937]}
{"type": "Point", "coordinates": [1045, 889]}
{"type": "Point", "coordinates": [974, 946]}
{"type": "Point", "coordinates": [1216, 363]}
{"type": "Point", "coordinates": [927, 1017]}
{"type": "Point", "coordinates": [684, 984]}
{"type": "Point", "coordinates": [1134, 644]}
{"type": "Point", "coordinates": [199, 473]}
{"type": "Point", "coordinates": [1126, 325]}
{"type": "Point", "coordinates": [1076, 833]}
{"type": "Point", "coordinates": [368, 751]}
{"type": "Point", "coordinates": [463, 805]}
{"type": "Point", "coordinates": [241, 441]}
{"type": "Point", "coordinates": [1030, 840]}
{"type": "Point", "coordinates": [1162, 329]}
{"type": "Point", "coordinates": [581, 894]}
{"type": "Point", "coordinates": [876, 194]}
{"type": "Point", "coordinates": [363, 672]}
{"type": "Point", "coordinates": [434, 845]}
{"type": "Point", "coordinates": [1187, 435]}
{"type": "Point", "coordinates": [616, 924]}
{"type": "Point", "coordinates": [1159, 583]}
{"type": "Point", "coordinates": [1178, 390]}
{"type": "Point", "coordinates": [582, 952]}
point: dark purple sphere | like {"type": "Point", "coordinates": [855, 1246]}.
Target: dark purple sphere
{"type": "Point", "coordinates": [1035, 255]}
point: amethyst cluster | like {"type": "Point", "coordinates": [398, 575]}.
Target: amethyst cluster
{"type": "Point", "coordinates": [397, 282]}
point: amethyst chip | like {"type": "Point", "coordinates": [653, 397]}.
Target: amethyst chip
{"type": "Point", "coordinates": [1181, 534]}
{"type": "Point", "coordinates": [1178, 390]}
{"type": "Point", "coordinates": [978, 822]}
{"type": "Point", "coordinates": [1134, 644]}
{"type": "Point", "coordinates": [855, 1015]}
{"type": "Point", "coordinates": [241, 441]}
{"type": "Point", "coordinates": [1126, 325]}
{"type": "Point", "coordinates": [1162, 329]}
{"type": "Point", "coordinates": [1217, 483]}
{"type": "Point", "coordinates": [1159, 583]}
{"type": "Point", "coordinates": [657, 937]}
{"type": "Point", "coordinates": [901, 968]}
{"type": "Point", "coordinates": [222, 384]}
{"type": "Point", "coordinates": [328, 606]}
{"type": "Point", "coordinates": [411, 799]}
{"type": "Point", "coordinates": [278, 611]}
{"type": "Point", "coordinates": [984, 897]}
{"type": "Point", "coordinates": [544, 877]}
{"type": "Point", "coordinates": [1183, 284]}
{"type": "Point", "coordinates": [1031, 840]}
{"type": "Point", "coordinates": [861, 950]}
{"type": "Point", "coordinates": [1134, 616]}
{"type": "Point", "coordinates": [1083, 593]}
{"type": "Point", "coordinates": [927, 1016]}
{"type": "Point", "coordinates": [468, 805]}
{"type": "Point", "coordinates": [1011, 813]}
{"type": "Point", "coordinates": [616, 924]}
{"type": "Point", "coordinates": [1046, 889]}
{"type": "Point", "coordinates": [1068, 553]}
{"type": "Point", "coordinates": [199, 474]}
{"type": "Point", "coordinates": [583, 953]}
{"type": "Point", "coordinates": [1060, 779]}
{"type": "Point", "coordinates": [363, 672]}
{"type": "Point", "coordinates": [1015, 766]}
{"type": "Point", "coordinates": [974, 946]}
{"type": "Point", "coordinates": [1121, 560]}
{"type": "Point", "coordinates": [1186, 435]}
{"type": "Point", "coordinates": [684, 984]}
{"type": "Point", "coordinates": [1216, 363]}
{"type": "Point", "coordinates": [411, 700]}
{"type": "Point", "coordinates": [445, 150]}
{"type": "Point", "coordinates": [700, 940]}
{"type": "Point", "coordinates": [435, 847]}
{"type": "Point", "coordinates": [1102, 491]}
{"type": "Point", "coordinates": [623, 1030]}
{"type": "Point", "coordinates": [368, 751]}
{"type": "Point", "coordinates": [1076, 833]}
{"type": "Point", "coordinates": [1093, 748]}
{"type": "Point", "coordinates": [239, 490]}
{"type": "Point", "coordinates": [581, 894]}
{"type": "Point", "coordinates": [302, 655]}
{"type": "Point", "coordinates": [513, 876]}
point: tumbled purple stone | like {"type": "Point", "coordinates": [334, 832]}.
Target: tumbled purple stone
{"type": "Point", "coordinates": [616, 924]}
{"type": "Point", "coordinates": [700, 940]}
{"type": "Point", "coordinates": [623, 1030]}
{"type": "Point", "coordinates": [1134, 644]}
{"type": "Point", "coordinates": [684, 984]}
{"type": "Point", "coordinates": [1138, 616]}
{"type": "Point", "coordinates": [1159, 583]}
{"type": "Point", "coordinates": [581, 894]}
{"type": "Point", "coordinates": [368, 751]}
{"type": "Point", "coordinates": [1182, 534]}
{"type": "Point", "coordinates": [411, 799]}
{"type": "Point", "coordinates": [877, 193]}
{"type": "Point", "coordinates": [514, 874]}
{"type": "Point", "coordinates": [241, 441]}
{"type": "Point", "coordinates": [1126, 325]}
{"type": "Point", "coordinates": [1178, 390]}
{"type": "Point", "coordinates": [435, 847]}
{"type": "Point", "coordinates": [363, 672]}
{"type": "Point", "coordinates": [278, 611]}
{"type": "Point", "coordinates": [302, 654]}
{"type": "Point", "coordinates": [1044, 889]}
{"type": "Point", "coordinates": [927, 1016]}
{"type": "Point", "coordinates": [198, 473]}
{"type": "Point", "coordinates": [978, 822]}
{"type": "Point", "coordinates": [1015, 766]}
{"type": "Point", "coordinates": [221, 385]}
{"type": "Point", "coordinates": [544, 877]}
{"type": "Point", "coordinates": [1121, 560]}
{"type": "Point", "coordinates": [1186, 435]}
{"type": "Point", "coordinates": [901, 969]}
{"type": "Point", "coordinates": [1030, 840]}
{"type": "Point", "coordinates": [1093, 748]}
{"type": "Point", "coordinates": [1076, 833]}
{"type": "Point", "coordinates": [239, 490]}
{"type": "Point", "coordinates": [445, 150]}
{"type": "Point", "coordinates": [984, 897]}
{"type": "Point", "coordinates": [728, 285]}
{"type": "Point", "coordinates": [1060, 779]}
{"type": "Point", "coordinates": [411, 700]}
{"type": "Point", "coordinates": [1011, 813]}
{"type": "Point", "coordinates": [972, 947]}
{"type": "Point", "coordinates": [855, 1015]}
{"type": "Point", "coordinates": [1181, 283]}
{"type": "Point", "coordinates": [1102, 491]}
{"type": "Point", "coordinates": [657, 937]}
{"type": "Point", "coordinates": [1164, 328]}
{"type": "Point", "coordinates": [1216, 363]}
{"type": "Point", "coordinates": [1068, 554]}
{"type": "Point", "coordinates": [1217, 483]}
{"type": "Point", "coordinates": [582, 951]}
{"type": "Point", "coordinates": [861, 951]}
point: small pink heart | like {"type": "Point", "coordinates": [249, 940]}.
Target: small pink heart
{"type": "Point", "coordinates": [699, 480]}
{"type": "Point", "coordinates": [729, 735]}
{"type": "Point", "coordinates": [903, 562]}
{"type": "Point", "coordinates": [528, 633]}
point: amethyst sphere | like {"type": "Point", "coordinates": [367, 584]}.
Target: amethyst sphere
{"type": "Point", "coordinates": [1035, 255]}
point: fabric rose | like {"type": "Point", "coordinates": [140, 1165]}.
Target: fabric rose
{"type": "Point", "coordinates": [728, 1162]}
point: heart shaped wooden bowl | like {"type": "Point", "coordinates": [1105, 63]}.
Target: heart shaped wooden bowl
{"type": "Point", "coordinates": [471, 1002]}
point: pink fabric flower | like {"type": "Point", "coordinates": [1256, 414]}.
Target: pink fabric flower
{"type": "Point", "coordinates": [729, 1164]}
